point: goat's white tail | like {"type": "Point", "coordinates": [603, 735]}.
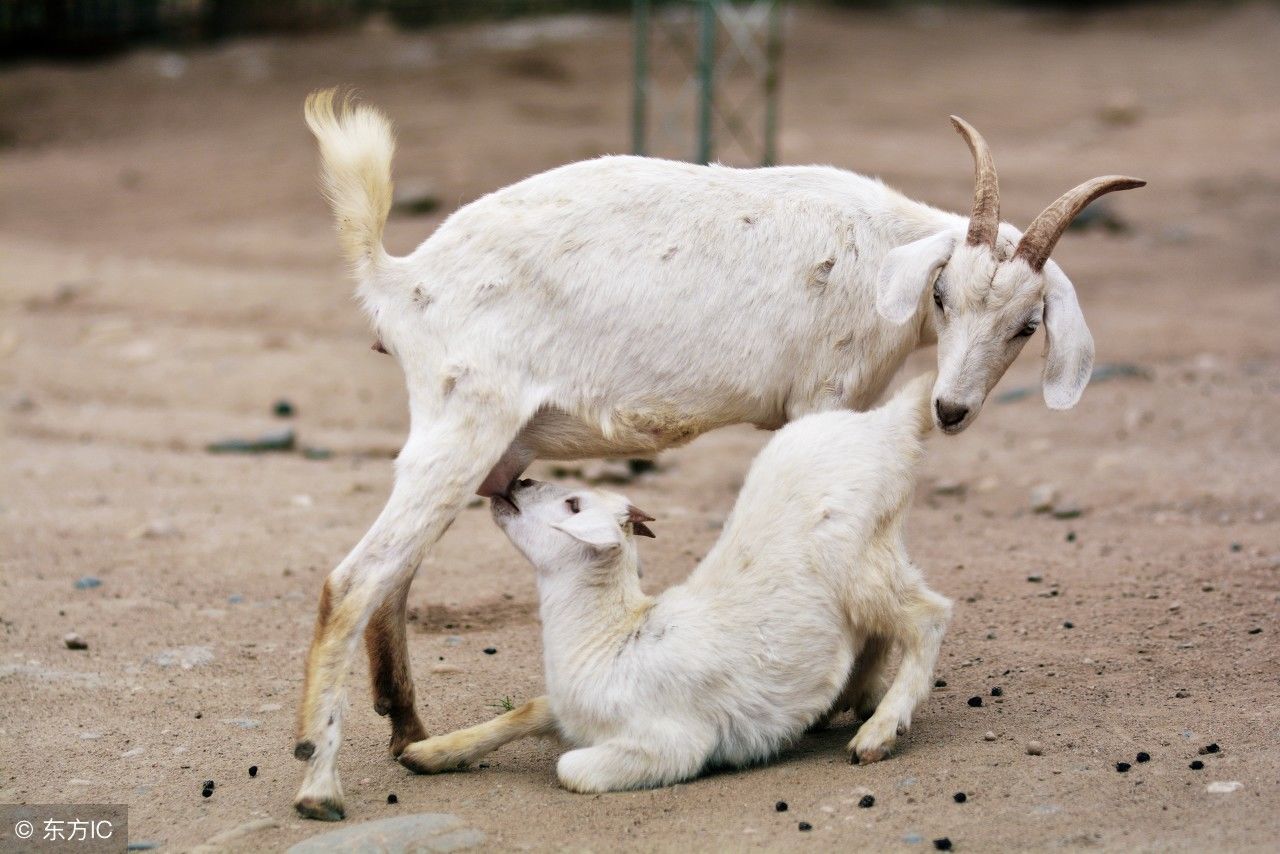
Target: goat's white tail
{"type": "Point", "coordinates": [356, 146]}
{"type": "Point", "coordinates": [915, 401]}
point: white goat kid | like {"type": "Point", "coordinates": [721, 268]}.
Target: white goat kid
{"type": "Point", "coordinates": [758, 644]}
{"type": "Point", "coordinates": [624, 305]}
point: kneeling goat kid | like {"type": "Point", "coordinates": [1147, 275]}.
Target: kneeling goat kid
{"type": "Point", "coordinates": [787, 621]}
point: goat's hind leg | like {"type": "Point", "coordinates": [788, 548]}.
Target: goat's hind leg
{"type": "Point", "coordinates": [436, 473]}
{"type": "Point", "coordinates": [458, 749]}
{"type": "Point", "coordinates": [921, 623]}
{"type": "Point", "coordinates": [388, 650]}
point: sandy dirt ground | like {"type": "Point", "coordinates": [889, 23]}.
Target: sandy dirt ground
{"type": "Point", "coordinates": [169, 271]}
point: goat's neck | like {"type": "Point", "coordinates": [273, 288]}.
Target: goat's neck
{"type": "Point", "coordinates": [586, 615]}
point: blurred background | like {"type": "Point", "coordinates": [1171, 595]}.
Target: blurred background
{"type": "Point", "coordinates": [195, 430]}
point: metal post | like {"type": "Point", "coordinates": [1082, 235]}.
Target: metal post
{"type": "Point", "coordinates": [640, 87]}
{"type": "Point", "coordinates": [706, 80]}
{"type": "Point", "coordinates": [773, 54]}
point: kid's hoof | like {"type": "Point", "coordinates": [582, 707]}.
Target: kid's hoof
{"type": "Point", "coordinates": [319, 809]}
{"type": "Point", "coordinates": [422, 760]}
{"type": "Point", "coordinates": [867, 755]}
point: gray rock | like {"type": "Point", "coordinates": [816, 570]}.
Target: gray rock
{"type": "Point", "coordinates": [1042, 497]}
{"type": "Point", "coordinates": [88, 582]}
{"type": "Point", "coordinates": [1067, 509]}
{"type": "Point", "coordinates": [1035, 748]}
{"type": "Point", "coordinates": [424, 832]}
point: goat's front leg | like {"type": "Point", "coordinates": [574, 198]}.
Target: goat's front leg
{"type": "Point", "coordinates": [463, 747]}
{"type": "Point", "coordinates": [436, 473]}
{"type": "Point", "coordinates": [920, 626]}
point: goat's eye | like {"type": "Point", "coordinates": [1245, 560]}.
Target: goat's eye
{"type": "Point", "coordinates": [572, 504]}
{"type": "Point", "coordinates": [1027, 331]}
{"type": "Point", "coordinates": [937, 297]}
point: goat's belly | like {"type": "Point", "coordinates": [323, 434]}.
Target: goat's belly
{"type": "Point", "coordinates": [555, 435]}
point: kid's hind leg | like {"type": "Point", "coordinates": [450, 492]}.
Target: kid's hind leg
{"type": "Point", "coordinates": [463, 747]}
{"type": "Point", "coordinates": [866, 685]}
{"type": "Point", "coordinates": [666, 753]}
{"type": "Point", "coordinates": [920, 626]}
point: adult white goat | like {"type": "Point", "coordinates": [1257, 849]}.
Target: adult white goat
{"type": "Point", "coordinates": [624, 305]}
{"type": "Point", "coordinates": [810, 575]}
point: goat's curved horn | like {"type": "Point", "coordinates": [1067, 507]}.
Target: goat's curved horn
{"type": "Point", "coordinates": [984, 222]}
{"type": "Point", "coordinates": [1043, 233]}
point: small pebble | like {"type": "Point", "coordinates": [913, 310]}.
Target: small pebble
{"type": "Point", "coordinates": [1122, 767]}
{"type": "Point", "coordinates": [88, 582]}
{"type": "Point", "coordinates": [1235, 547]}
{"type": "Point", "coordinates": [1071, 536]}
{"type": "Point", "coordinates": [943, 844]}
{"type": "Point", "coordinates": [867, 801]}
{"type": "Point", "coordinates": [1143, 756]}
{"type": "Point", "coordinates": [997, 691]}
{"type": "Point", "coordinates": [1209, 748]}
{"type": "Point", "coordinates": [253, 770]}
{"type": "Point", "coordinates": [490, 650]}
{"type": "Point", "coordinates": [988, 736]}
{"type": "Point", "coordinates": [960, 797]}
{"type": "Point", "coordinates": [1196, 765]}
{"type": "Point", "coordinates": [1035, 579]}
{"type": "Point", "coordinates": [1182, 693]}
{"type": "Point", "coordinates": [975, 702]}
{"type": "Point", "coordinates": [939, 683]}
{"type": "Point", "coordinates": [1068, 625]}
{"type": "Point", "coordinates": [392, 799]}
{"type": "Point", "coordinates": [283, 409]}
{"type": "Point", "coordinates": [74, 641]}
{"type": "Point", "coordinates": [804, 825]}
{"type": "Point", "coordinates": [1034, 748]}
{"type": "Point", "coordinates": [780, 806]}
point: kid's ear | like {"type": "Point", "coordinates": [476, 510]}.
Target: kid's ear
{"type": "Point", "coordinates": [592, 529]}
{"type": "Point", "coordinates": [637, 518]}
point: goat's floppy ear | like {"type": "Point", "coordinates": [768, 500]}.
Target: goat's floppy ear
{"type": "Point", "coordinates": [637, 518]}
{"type": "Point", "coordinates": [596, 530]}
{"type": "Point", "coordinates": [906, 272]}
{"type": "Point", "coordinates": [1068, 360]}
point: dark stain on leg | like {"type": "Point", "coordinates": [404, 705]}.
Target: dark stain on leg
{"type": "Point", "coordinates": [304, 750]}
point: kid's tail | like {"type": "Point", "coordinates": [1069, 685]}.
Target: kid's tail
{"type": "Point", "coordinates": [356, 146]}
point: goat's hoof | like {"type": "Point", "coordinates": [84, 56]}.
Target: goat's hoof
{"type": "Point", "coordinates": [320, 809]}
{"type": "Point", "coordinates": [403, 736]}
{"type": "Point", "coordinates": [421, 759]}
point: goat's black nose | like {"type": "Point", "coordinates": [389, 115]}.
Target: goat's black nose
{"type": "Point", "coordinates": [950, 414]}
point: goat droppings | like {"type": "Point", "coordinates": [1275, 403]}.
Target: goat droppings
{"type": "Point", "coordinates": [960, 797]}
{"type": "Point", "coordinates": [1122, 767]}
{"type": "Point", "coordinates": [975, 702]}
{"type": "Point", "coordinates": [392, 799]}
{"type": "Point", "coordinates": [867, 801]}
{"type": "Point", "coordinates": [490, 650]}
{"type": "Point", "coordinates": [253, 770]}
{"type": "Point", "coordinates": [780, 806]}
{"type": "Point", "coordinates": [997, 692]}
{"type": "Point", "coordinates": [1143, 756]}
{"type": "Point", "coordinates": [1196, 765]}
{"type": "Point", "coordinates": [804, 825]}
{"type": "Point", "coordinates": [943, 844]}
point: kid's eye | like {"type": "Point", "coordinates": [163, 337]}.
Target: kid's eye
{"type": "Point", "coordinates": [1027, 331]}
{"type": "Point", "coordinates": [937, 296]}
{"type": "Point", "coordinates": [572, 504]}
